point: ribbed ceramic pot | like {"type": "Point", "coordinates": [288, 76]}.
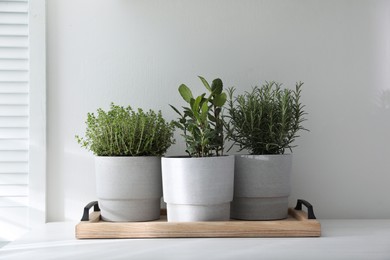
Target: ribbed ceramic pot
{"type": "Point", "coordinates": [261, 187]}
{"type": "Point", "coordinates": [198, 189]}
{"type": "Point", "coordinates": [128, 188]}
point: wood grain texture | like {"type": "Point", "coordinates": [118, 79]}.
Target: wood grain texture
{"type": "Point", "coordinates": [296, 225]}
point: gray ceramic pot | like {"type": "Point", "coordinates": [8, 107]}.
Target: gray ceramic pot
{"type": "Point", "coordinates": [261, 187]}
{"type": "Point", "coordinates": [198, 189]}
{"type": "Point", "coordinates": [129, 188]}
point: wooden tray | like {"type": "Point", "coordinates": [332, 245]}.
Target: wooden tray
{"type": "Point", "coordinates": [298, 224]}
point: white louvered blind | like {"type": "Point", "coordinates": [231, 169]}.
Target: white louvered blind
{"type": "Point", "coordinates": [14, 118]}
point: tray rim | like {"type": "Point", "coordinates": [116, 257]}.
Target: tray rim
{"type": "Point", "coordinates": [296, 225]}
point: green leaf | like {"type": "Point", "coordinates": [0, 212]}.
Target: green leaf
{"type": "Point", "coordinates": [188, 112]}
{"type": "Point", "coordinates": [205, 83]}
{"type": "Point", "coordinates": [178, 125]}
{"type": "Point", "coordinates": [198, 102]}
{"type": "Point", "coordinates": [177, 111]}
{"type": "Point", "coordinates": [219, 100]}
{"type": "Point", "coordinates": [211, 118]}
{"type": "Point", "coordinates": [196, 106]}
{"type": "Point", "coordinates": [205, 112]}
{"type": "Point", "coordinates": [217, 86]}
{"type": "Point", "coordinates": [192, 102]}
{"type": "Point", "coordinates": [185, 92]}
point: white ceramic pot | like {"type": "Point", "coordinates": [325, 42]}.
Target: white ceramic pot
{"type": "Point", "coordinates": [261, 187]}
{"type": "Point", "coordinates": [129, 188]}
{"type": "Point", "coordinates": [198, 189]}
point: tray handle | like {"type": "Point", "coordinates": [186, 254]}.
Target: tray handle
{"type": "Point", "coordinates": [310, 212]}
{"type": "Point", "coordinates": [95, 206]}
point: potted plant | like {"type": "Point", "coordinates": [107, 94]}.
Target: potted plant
{"type": "Point", "coordinates": [128, 146]}
{"type": "Point", "coordinates": [199, 187]}
{"type": "Point", "coordinates": [264, 122]}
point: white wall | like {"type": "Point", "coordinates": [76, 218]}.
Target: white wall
{"type": "Point", "coordinates": [138, 52]}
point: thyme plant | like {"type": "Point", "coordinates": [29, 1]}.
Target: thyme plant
{"type": "Point", "coordinates": [265, 120]}
{"type": "Point", "coordinates": [201, 121]}
{"type": "Point", "coordinates": [124, 132]}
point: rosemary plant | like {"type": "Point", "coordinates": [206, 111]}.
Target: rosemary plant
{"type": "Point", "coordinates": [266, 120]}
{"type": "Point", "coordinates": [124, 132]}
{"type": "Point", "coordinates": [201, 121]}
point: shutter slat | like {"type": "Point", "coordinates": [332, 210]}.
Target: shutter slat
{"type": "Point", "coordinates": [13, 178]}
{"type": "Point", "coordinates": [14, 202]}
{"type": "Point", "coordinates": [13, 133]}
{"type": "Point", "coordinates": [14, 99]}
{"type": "Point", "coordinates": [14, 18]}
{"type": "Point", "coordinates": [13, 7]}
{"type": "Point", "coordinates": [13, 167]}
{"type": "Point", "coordinates": [14, 64]}
{"type": "Point", "coordinates": [13, 76]}
{"type": "Point", "coordinates": [8, 121]}
{"type": "Point", "coordinates": [14, 29]}
{"type": "Point", "coordinates": [13, 87]}
{"type": "Point", "coordinates": [13, 53]}
{"type": "Point", "coordinates": [14, 156]}
{"type": "Point", "coordinates": [16, 41]}
{"type": "Point", "coordinates": [13, 190]}
{"type": "Point", "coordinates": [14, 110]}
{"type": "Point", "coordinates": [14, 145]}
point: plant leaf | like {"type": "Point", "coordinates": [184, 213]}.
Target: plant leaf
{"type": "Point", "coordinates": [177, 111]}
{"type": "Point", "coordinates": [205, 112]}
{"type": "Point", "coordinates": [219, 100]}
{"type": "Point", "coordinates": [178, 125]}
{"type": "Point", "coordinates": [205, 83]}
{"type": "Point", "coordinates": [196, 106]}
{"type": "Point", "coordinates": [217, 86]}
{"type": "Point", "coordinates": [211, 118]}
{"type": "Point", "coordinates": [185, 92]}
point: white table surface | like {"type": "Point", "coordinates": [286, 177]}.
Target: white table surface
{"type": "Point", "coordinates": [340, 239]}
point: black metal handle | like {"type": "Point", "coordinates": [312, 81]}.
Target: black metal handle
{"type": "Point", "coordinates": [95, 206]}
{"type": "Point", "coordinates": [310, 212]}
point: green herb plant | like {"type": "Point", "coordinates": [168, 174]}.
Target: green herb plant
{"type": "Point", "coordinates": [265, 120]}
{"type": "Point", "coordinates": [202, 121]}
{"type": "Point", "coordinates": [121, 131]}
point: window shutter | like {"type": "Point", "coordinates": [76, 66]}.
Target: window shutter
{"type": "Point", "coordinates": [14, 118]}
